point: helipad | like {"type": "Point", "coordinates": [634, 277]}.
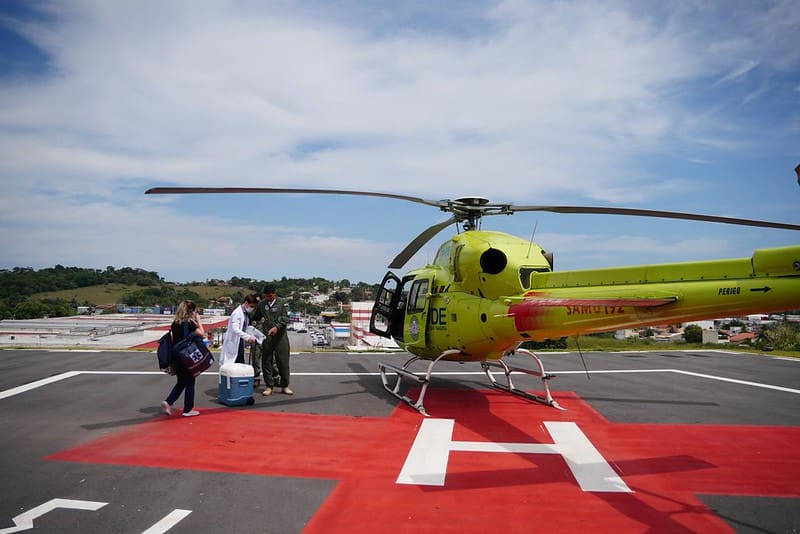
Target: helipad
{"type": "Point", "coordinates": [696, 441]}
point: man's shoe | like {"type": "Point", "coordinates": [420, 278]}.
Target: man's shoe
{"type": "Point", "coordinates": [191, 413]}
{"type": "Point", "coordinates": [166, 408]}
{"type": "Point", "coordinates": [256, 382]}
{"type": "Point", "coordinates": [288, 391]}
{"type": "Point", "coordinates": [267, 392]}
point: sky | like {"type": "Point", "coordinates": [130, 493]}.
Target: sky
{"type": "Point", "coordinates": [687, 106]}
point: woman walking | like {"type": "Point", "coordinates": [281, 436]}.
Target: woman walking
{"type": "Point", "coordinates": [186, 321]}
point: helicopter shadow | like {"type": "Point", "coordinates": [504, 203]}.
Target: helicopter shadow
{"type": "Point", "coordinates": [316, 396]}
{"type": "Point", "coordinates": [151, 414]}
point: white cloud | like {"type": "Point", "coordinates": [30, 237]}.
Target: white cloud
{"type": "Point", "coordinates": [739, 71]}
{"type": "Point", "coordinates": [527, 101]}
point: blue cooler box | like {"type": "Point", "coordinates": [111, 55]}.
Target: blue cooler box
{"type": "Point", "coordinates": [236, 384]}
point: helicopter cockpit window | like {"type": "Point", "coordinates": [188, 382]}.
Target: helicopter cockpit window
{"type": "Point", "coordinates": [456, 268]}
{"type": "Point", "coordinates": [443, 255]}
{"type": "Point", "coordinates": [526, 272]}
{"type": "Point", "coordinates": [416, 300]}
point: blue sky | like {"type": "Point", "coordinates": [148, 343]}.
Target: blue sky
{"type": "Point", "coordinates": [685, 106]}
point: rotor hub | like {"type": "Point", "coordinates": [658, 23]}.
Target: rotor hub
{"type": "Point", "coordinates": [471, 201]}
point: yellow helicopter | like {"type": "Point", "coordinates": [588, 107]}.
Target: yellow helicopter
{"type": "Point", "coordinates": [487, 292]}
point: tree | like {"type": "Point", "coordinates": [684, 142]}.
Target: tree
{"type": "Point", "coordinates": [780, 337]}
{"type": "Point", "coordinates": [693, 334]}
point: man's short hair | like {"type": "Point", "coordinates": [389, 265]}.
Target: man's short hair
{"type": "Point", "coordinates": [269, 288]}
{"type": "Point", "coordinates": [251, 298]}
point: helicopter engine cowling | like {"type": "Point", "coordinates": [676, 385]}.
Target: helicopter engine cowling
{"type": "Point", "coordinates": [492, 264]}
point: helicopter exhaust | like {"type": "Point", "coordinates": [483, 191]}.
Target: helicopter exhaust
{"type": "Point", "coordinates": [549, 257]}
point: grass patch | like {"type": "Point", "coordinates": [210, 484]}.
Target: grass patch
{"type": "Point", "coordinates": [97, 295]}
{"type": "Point", "coordinates": [605, 344]}
{"type": "Point", "coordinates": [113, 293]}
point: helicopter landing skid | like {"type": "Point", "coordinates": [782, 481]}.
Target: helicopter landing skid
{"type": "Point", "coordinates": [402, 372]}
{"type": "Point", "coordinates": [507, 370]}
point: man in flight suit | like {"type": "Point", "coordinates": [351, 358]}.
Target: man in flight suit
{"type": "Point", "coordinates": [275, 349]}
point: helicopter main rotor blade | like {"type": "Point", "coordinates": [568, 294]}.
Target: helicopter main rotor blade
{"type": "Point", "coordinates": [401, 259]}
{"type": "Point", "coordinates": [246, 190]}
{"type": "Point", "coordinates": [607, 210]}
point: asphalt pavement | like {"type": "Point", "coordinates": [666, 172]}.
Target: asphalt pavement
{"type": "Point", "coordinates": [85, 447]}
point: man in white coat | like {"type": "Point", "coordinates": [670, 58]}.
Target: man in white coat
{"type": "Point", "coordinates": [236, 336]}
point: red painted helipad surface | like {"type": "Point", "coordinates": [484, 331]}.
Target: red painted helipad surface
{"type": "Point", "coordinates": [665, 466]}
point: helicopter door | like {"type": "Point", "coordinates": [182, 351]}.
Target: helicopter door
{"type": "Point", "coordinates": [386, 318]}
{"type": "Point", "coordinates": [417, 313]}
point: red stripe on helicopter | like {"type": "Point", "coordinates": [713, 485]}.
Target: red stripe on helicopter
{"type": "Point", "coordinates": [527, 312]}
{"type": "Point", "coordinates": [627, 302]}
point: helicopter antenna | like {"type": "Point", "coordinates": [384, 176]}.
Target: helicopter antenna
{"type": "Point", "coordinates": [588, 376]}
{"type": "Point", "coordinates": [532, 234]}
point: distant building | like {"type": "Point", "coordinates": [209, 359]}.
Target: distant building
{"type": "Point", "coordinates": [744, 337]}
{"type": "Point", "coordinates": [360, 313]}
{"type": "Point", "coordinates": [328, 316]}
{"type": "Point", "coordinates": [123, 308]}
{"type": "Point", "coordinates": [705, 325]}
{"type": "Point", "coordinates": [710, 336]}
{"type": "Point", "coordinates": [341, 331]}
{"type": "Point", "coordinates": [625, 334]}
{"type": "Point", "coordinates": [360, 336]}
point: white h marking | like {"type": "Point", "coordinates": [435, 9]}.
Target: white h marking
{"type": "Point", "coordinates": [426, 463]}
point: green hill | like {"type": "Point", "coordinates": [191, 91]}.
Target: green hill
{"type": "Point", "coordinates": [106, 294]}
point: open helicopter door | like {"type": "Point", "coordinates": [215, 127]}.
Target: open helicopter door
{"type": "Point", "coordinates": [416, 317]}
{"type": "Point", "coordinates": [387, 319]}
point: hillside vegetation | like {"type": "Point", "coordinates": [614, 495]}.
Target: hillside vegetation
{"type": "Point", "coordinates": [27, 293]}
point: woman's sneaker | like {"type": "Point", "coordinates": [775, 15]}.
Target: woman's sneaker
{"type": "Point", "coordinates": [166, 408]}
{"type": "Point", "coordinates": [191, 413]}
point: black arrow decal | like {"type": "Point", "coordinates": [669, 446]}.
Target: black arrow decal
{"type": "Point", "coordinates": [763, 289]}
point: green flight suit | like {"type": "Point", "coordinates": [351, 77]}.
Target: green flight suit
{"type": "Point", "coordinates": [274, 349]}
{"type": "Point", "coordinates": [255, 353]}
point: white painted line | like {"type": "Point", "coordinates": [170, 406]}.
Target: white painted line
{"type": "Point", "coordinates": [39, 383]}
{"type": "Point", "coordinates": [367, 353]}
{"type": "Point", "coordinates": [123, 373]}
{"type": "Point", "coordinates": [24, 521]}
{"type": "Point", "coordinates": [786, 359]}
{"type": "Point", "coordinates": [76, 350]}
{"type": "Point", "coordinates": [69, 374]}
{"type": "Point", "coordinates": [169, 521]}
{"type": "Point", "coordinates": [516, 448]}
{"type": "Point", "coordinates": [735, 381]}
{"type": "Point", "coordinates": [426, 463]}
{"type": "Point", "coordinates": [588, 466]}
{"type": "Point", "coordinates": [610, 371]}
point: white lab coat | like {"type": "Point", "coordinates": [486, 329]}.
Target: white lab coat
{"type": "Point", "coordinates": [235, 332]}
